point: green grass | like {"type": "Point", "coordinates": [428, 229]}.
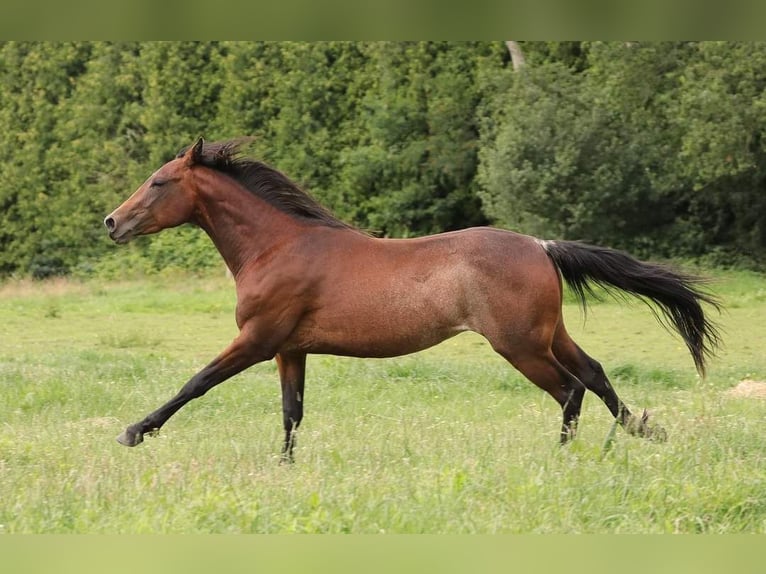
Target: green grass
{"type": "Point", "coordinates": [451, 440]}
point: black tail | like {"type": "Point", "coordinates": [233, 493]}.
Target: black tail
{"type": "Point", "coordinates": [677, 295]}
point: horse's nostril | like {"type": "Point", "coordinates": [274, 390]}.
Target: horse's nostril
{"type": "Point", "coordinates": [109, 222]}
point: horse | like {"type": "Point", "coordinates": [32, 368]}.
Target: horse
{"type": "Point", "coordinates": [307, 282]}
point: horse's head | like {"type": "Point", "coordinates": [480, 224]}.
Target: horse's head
{"type": "Point", "coordinates": [164, 200]}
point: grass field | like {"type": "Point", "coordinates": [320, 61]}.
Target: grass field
{"type": "Point", "coordinates": [451, 440]}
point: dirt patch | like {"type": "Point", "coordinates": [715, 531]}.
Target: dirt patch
{"type": "Point", "coordinates": [749, 389]}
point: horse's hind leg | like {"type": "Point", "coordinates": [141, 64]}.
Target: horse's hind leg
{"type": "Point", "coordinates": [542, 368]}
{"type": "Point", "coordinates": [590, 372]}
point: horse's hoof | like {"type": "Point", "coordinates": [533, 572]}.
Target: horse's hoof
{"type": "Point", "coordinates": [640, 426]}
{"type": "Point", "coordinates": [657, 434]}
{"type": "Point", "coordinates": [130, 438]}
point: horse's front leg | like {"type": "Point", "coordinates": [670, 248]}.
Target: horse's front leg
{"type": "Point", "coordinates": [241, 354]}
{"type": "Point", "coordinates": [292, 376]}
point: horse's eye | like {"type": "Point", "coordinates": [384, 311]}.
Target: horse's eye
{"type": "Point", "coordinates": [158, 183]}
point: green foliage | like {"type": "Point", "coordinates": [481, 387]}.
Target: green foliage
{"type": "Point", "coordinates": [415, 166]}
{"type": "Point", "coordinates": [577, 153]}
{"type": "Point", "coordinates": [722, 108]}
{"type": "Point", "coordinates": [653, 147]}
{"type": "Point", "coordinates": [37, 79]}
{"type": "Point", "coordinates": [180, 98]}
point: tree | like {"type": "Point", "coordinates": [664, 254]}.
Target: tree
{"type": "Point", "coordinates": [181, 95]}
{"type": "Point", "coordinates": [587, 154]}
{"type": "Point", "coordinates": [37, 80]}
{"type": "Point", "coordinates": [415, 166]}
{"type": "Point", "coordinates": [517, 54]}
{"type": "Point", "coordinates": [721, 112]}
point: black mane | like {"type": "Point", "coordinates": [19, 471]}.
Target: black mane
{"type": "Point", "coordinates": [265, 182]}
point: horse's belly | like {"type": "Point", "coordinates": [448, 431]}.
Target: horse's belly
{"type": "Point", "coordinates": [382, 335]}
{"type": "Point", "coordinates": [376, 347]}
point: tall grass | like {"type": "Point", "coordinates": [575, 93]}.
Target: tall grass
{"type": "Point", "coordinates": [451, 440]}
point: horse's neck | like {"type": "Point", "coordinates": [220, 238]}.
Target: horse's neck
{"type": "Point", "coordinates": [240, 225]}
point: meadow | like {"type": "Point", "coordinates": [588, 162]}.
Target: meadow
{"type": "Point", "coordinates": [450, 440]}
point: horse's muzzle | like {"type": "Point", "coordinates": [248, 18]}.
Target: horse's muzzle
{"type": "Point", "coordinates": [114, 233]}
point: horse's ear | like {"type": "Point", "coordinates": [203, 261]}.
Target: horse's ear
{"type": "Point", "coordinates": [194, 153]}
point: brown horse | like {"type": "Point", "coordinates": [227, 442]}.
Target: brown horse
{"type": "Point", "coordinates": [308, 283]}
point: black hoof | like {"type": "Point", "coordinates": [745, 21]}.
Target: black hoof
{"type": "Point", "coordinates": [129, 437]}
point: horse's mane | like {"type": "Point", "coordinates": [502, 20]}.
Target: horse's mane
{"type": "Point", "coordinates": [265, 182]}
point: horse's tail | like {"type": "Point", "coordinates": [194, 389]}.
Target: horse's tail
{"type": "Point", "coordinates": [676, 294]}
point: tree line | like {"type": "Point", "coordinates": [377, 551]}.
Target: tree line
{"type": "Point", "coordinates": [651, 147]}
